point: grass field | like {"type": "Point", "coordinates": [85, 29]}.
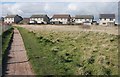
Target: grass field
{"type": "Point", "coordinates": [71, 53]}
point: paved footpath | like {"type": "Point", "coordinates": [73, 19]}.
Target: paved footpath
{"type": "Point", "coordinates": [17, 63]}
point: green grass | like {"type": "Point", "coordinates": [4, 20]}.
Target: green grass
{"type": "Point", "coordinates": [6, 36]}
{"type": "Point", "coordinates": [71, 53]}
{"type": "Point", "coordinates": [4, 41]}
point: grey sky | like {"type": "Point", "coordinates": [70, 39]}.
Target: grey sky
{"type": "Point", "coordinates": [26, 9]}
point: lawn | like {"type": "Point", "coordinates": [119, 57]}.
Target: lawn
{"type": "Point", "coordinates": [71, 53]}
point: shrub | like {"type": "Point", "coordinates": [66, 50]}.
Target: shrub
{"type": "Point", "coordinates": [95, 50]}
{"type": "Point", "coordinates": [107, 71]}
{"type": "Point", "coordinates": [75, 49]}
{"type": "Point", "coordinates": [65, 56]}
{"type": "Point", "coordinates": [91, 60]}
{"type": "Point", "coordinates": [55, 49]}
{"type": "Point", "coordinates": [89, 72]}
{"type": "Point", "coordinates": [79, 65]}
{"type": "Point", "coordinates": [39, 37]}
{"type": "Point", "coordinates": [112, 39]}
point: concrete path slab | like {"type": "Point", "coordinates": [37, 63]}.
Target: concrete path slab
{"type": "Point", "coordinates": [18, 63]}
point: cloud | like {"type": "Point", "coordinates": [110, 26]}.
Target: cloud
{"type": "Point", "coordinates": [15, 9]}
{"type": "Point", "coordinates": [72, 7]}
{"type": "Point", "coordinates": [26, 9]}
{"type": "Point", "coordinates": [60, 0]}
{"type": "Point", "coordinates": [12, 8]}
{"type": "Point", "coordinates": [47, 7]}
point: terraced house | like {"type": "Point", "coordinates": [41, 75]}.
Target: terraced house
{"type": "Point", "coordinates": [84, 19]}
{"type": "Point", "coordinates": [25, 21]}
{"type": "Point", "coordinates": [12, 19]}
{"type": "Point", "coordinates": [107, 19]}
{"type": "Point", "coordinates": [39, 19]}
{"type": "Point", "coordinates": [61, 19]}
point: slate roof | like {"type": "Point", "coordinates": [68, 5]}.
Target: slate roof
{"type": "Point", "coordinates": [84, 17]}
{"type": "Point", "coordinates": [10, 16]}
{"type": "Point", "coordinates": [107, 16]}
{"type": "Point", "coordinates": [25, 19]}
{"type": "Point", "coordinates": [61, 16]}
{"type": "Point", "coordinates": [72, 17]}
{"type": "Point", "coordinates": [38, 16]}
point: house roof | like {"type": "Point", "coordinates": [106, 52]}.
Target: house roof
{"type": "Point", "coordinates": [84, 16]}
{"type": "Point", "coordinates": [25, 20]}
{"type": "Point", "coordinates": [61, 16]}
{"type": "Point", "coordinates": [38, 16]}
{"type": "Point", "coordinates": [72, 17]}
{"type": "Point", "coordinates": [107, 16]}
{"type": "Point", "coordinates": [10, 16]}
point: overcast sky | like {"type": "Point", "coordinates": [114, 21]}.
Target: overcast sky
{"type": "Point", "coordinates": [74, 7]}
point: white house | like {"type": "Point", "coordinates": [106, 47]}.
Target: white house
{"type": "Point", "coordinates": [12, 19]}
{"type": "Point", "coordinates": [39, 19]}
{"type": "Point", "coordinates": [61, 19]}
{"type": "Point", "coordinates": [84, 19]}
{"type": "Point", "coordinates": [72, 20]}
{"type": "Point", "coordinates": [107, 19]}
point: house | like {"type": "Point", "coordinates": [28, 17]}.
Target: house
{"type": "Point", "coordinates": [83, 19]}
{"type": "Point", "coordinates": [94, 23]}
{"type": "Point", "coordinates": [60, 19]}
{"type": "Point", "coordinates": [107, 19]}
{"type": "Point", "coordinates": [72, 20]}
{"type": "Point", "coordinates": [12, 19]}
{"type": "Point", "coordinates": [25, 21]}
{"type": "Point", "coordinates": [39, 19]}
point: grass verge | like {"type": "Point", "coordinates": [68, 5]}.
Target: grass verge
{"type": "Point", "coordinates": [6, 36]}
{"type": "Point", "coordinates": [5, 42]}
{"type": "Point", "coordinates": [71, 53]}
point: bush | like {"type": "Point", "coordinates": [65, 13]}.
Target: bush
{"type": "Point", "coordinates": [65, 56]}
{"type": "Point", "coordinates": [55, 49]}
{"type": "Point", "coordinates": [91, 60]}
{"type": "Point", "coordinates": [112, 39]}
{"type": "Point", "coordinates": [107, 71]}
{"type": "Point", "coordinates": [88, 72]}
{"type": "Point", "coordinates": [40, 37]}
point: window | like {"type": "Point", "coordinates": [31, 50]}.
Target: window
{"type": "Point", "coordinates": [111, 19]}
{"type": "Point", "coordinates": [104, 23]}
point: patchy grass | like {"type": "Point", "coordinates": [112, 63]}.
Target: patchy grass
{"type": "Point", "coordinates": [68, 53]}
{"type": "Point", "coordinates": [6, 36]}
{"type": "Point", "coordinates": [5, 40]}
